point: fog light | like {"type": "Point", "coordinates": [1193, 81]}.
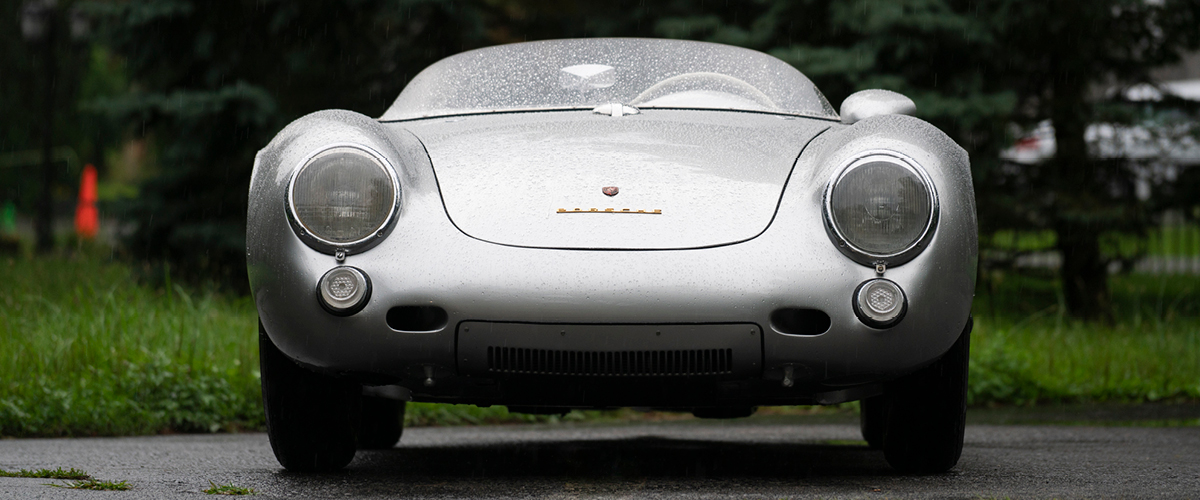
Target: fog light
{"type": "Point", "coordinates": [880, 303]}
{"type": "Point", "coordinates": [344, 290]}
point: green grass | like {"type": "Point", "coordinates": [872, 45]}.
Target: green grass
{"type": "Point", "coordinates": [1025, 349]}
{"type": "Point", "coordinates": [1022, 241]}
{"type": "Point", "coordinates": [227, 489]}
{"type": "Point", "coordinates": [58, 473]}
{"type": "Point", "coordinates": [88, 349]}
{"type": "Point", "coordinates": [79, 480]}
{"type": "Point", "coordinates": [85, 349]}
{"type": "Point", "coordinates": [1174, 240]}
{"type": "Point", "coordinates": [429, 414]}
{"type": "Point", "coordinates": [438, 414]}
{"type": "Point", "coordinates": [844, 442]}
{"type": "Point", "coordinates": [92, 484]}
{"type": "Point", "coordinates": [1164, 241]}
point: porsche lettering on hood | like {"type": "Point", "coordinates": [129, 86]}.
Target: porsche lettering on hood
{"type": "Point", "coordinates": [714, 177]}
{"type": "Point", "coordinates": [655, 211]}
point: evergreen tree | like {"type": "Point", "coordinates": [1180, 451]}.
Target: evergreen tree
{"type": "Point", "coordinates": [214, 81]}
{"type": "Point", "coordinates": [975, 67]}
{"type": "Point", "coordinates": [1076, 50]}
{"type": "Point", "coordinates": [218, 80]}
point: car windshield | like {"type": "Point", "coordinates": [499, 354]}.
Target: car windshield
{"type": "Point", "coordinates": [586, 73]}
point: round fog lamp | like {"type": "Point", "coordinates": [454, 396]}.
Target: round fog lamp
{"type": "Point", "coordinates": [880, 303]}
{"type": "Point", "coordinates": [344, 290]}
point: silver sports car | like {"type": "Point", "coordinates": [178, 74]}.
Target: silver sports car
{"type": "Point", "coordinates": [608, 223]}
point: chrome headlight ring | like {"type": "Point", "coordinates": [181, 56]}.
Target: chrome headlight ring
{"type": "Point", "coordinates": [360, 243]}
{"type": "Point", "coordinates": [846, 244]}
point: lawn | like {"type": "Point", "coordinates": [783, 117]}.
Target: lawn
{"type": "Point", "coordinates": [1026, 350]}
{"type": "Point", "coordinates": [87, 349]}
{"type": "Point", "coordinates": [1182, 240]}
{"type": "Point", "coordinates": [90, 348]}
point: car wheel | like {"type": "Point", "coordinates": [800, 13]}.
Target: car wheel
{"type": "Point", "coordinates": [380, 423]}
{"type": "Point", "coordinates": [871, 416]}
{"type": "Point", "coordinates": [927, 413]}
{"type": "Point", "coordinates": [310, 417]}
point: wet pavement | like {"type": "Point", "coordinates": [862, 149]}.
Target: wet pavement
{"type": "Point", "coordinates": [1098, 456]}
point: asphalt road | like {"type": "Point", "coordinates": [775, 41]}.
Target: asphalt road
{"type": "Point", "coordinates": [761, 457]}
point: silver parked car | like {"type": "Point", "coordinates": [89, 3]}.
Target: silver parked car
{"type": "Point", "coordinates": [607, 223]}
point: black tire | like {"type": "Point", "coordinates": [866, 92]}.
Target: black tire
{"type": "Point", "coordinates": [871, 419]}
{"type": "Point", "coordinates": [310, 417]}
{"type": "Point", "coordinates": [927, 413]}
{"type": "Point", "coordinates": [380, 423]}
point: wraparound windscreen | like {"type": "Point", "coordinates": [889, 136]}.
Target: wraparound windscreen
{"type": "Point", "coordinates": [585, 73]}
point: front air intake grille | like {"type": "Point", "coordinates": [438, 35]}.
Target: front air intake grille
{"type": "Point", "coordinates": [673, 363]}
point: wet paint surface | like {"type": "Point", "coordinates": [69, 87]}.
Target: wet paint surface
{"type": "Point", "coordinates": [716, 176]}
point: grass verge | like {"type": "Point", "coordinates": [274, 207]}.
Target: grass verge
{"type": "Point", "coordinates": [1025, 350]}
{"type": "Point", "coordinates": [86, 348]}
{"type": "Point", "coordinates": [58, 473]}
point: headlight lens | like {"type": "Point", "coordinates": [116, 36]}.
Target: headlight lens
{"type": "Point", "coordinates": [343, 195]}
{"type": "Point", "coordinates": [881, 205]}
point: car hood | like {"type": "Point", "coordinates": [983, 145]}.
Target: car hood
{"type": "Point", "coordinates": [685, 179]}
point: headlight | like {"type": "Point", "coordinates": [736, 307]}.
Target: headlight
{"type": "Point", "coordinates": [343, 197]}
{"type": "Point", "coordinates": [881, 207]}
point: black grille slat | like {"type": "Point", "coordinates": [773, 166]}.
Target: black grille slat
{"type": "Point", "coordinates": [672, 363]}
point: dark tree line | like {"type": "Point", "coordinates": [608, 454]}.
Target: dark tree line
{"type": "Point", "coordinates": [211, 82]}
{"type": "Point", "coordinates": [214, 82]}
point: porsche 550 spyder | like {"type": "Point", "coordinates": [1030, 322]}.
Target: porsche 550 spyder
{"type": "Point", "coordinates": [613, 223]}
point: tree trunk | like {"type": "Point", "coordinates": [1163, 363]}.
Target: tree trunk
{"type": "Point", "coordinates": [43, 222]}
{"type": "Point", "coordinates": [1084, 273]}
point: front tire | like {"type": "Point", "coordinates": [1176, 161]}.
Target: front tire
{"type": "Point", "coordinates": [380, 423]}
{"type": "Point", "coordinates": [872, 420]}
{"type": "Point", "coordinates": [927, 413]}
{"type": "Point", "coordinates": [310, 417]}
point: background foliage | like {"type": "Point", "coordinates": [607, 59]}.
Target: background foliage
{"type": "Point", "coordinates": [217, 80]}
{"type": "Point", "coordinates": [189, 90]}
{"type": "Point", "coordinates": [205, 84]}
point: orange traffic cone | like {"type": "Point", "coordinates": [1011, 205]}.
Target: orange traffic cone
{"type": "Point", "coordinates": [87, 218]}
